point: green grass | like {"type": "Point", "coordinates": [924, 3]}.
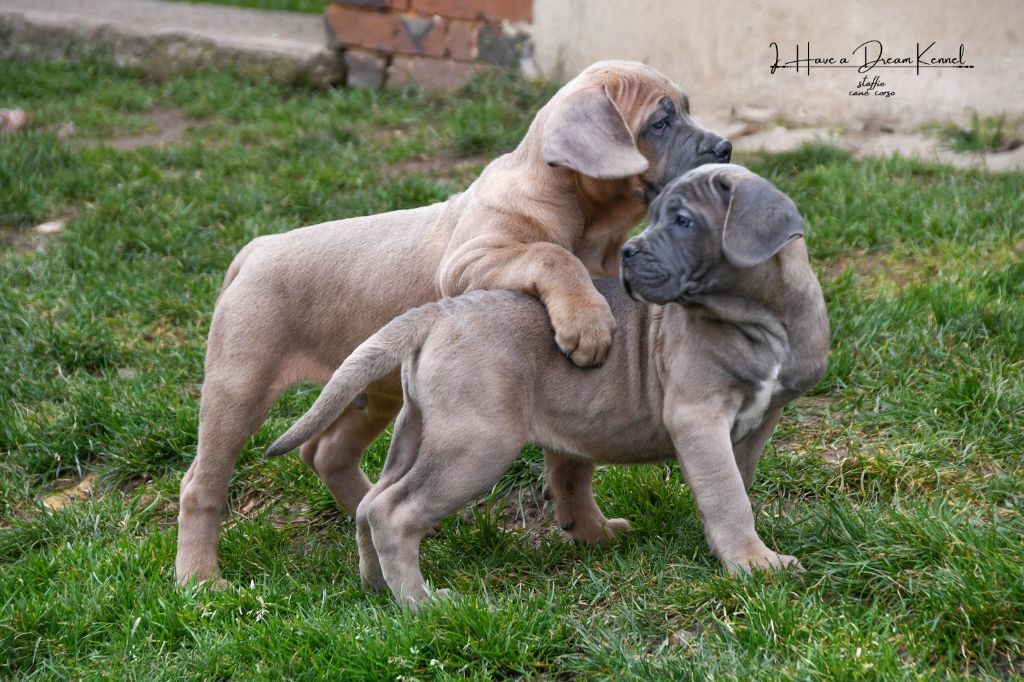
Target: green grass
{"type": "Point", "coordinates": [306, 6]}
{"type": "Point", "coordinates": [912, 540]}
{"type": "Point", "coordinates": [985, 134]}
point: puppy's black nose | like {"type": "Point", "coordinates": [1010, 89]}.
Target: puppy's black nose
{"type": "Point", "coordinates": [723, 150]}
{"type": "Point", "coordinates": [630, 250]}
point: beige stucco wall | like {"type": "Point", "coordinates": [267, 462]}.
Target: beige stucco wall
{"type": "Point", "coordinates": [719, 52]}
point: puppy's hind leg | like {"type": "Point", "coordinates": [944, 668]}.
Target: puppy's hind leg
{"type": "Point", "coordinates": [336, 452]}
{"type": "Point", "coordinates": [232, 408]}
{"type": "Point", "coordinates": [404, 444]}
{"type": "Point", "coordinates": [569, 484]}
{"type": "Point", "coordinates": [447, 474]}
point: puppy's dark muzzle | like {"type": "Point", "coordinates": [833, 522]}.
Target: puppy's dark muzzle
{"type": "Point", "coordinates": [721, 152]}
{"type": "Point", "coordinates": [629, 250]}
{"type": "Point", "coordinates": [646, 277]}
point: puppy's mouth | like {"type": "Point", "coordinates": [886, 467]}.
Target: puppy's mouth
{"type": "Point", "coordinates": [642, 275]}
{"type": "Point", "coordinates": [644, 290]}
{"type": "Point", "coordinates": [628, 287]}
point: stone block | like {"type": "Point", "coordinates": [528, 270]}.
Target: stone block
{"type": "Point", "coordinates": [439, 75]}
{"type": "Point", "coordinates": [364, 69]}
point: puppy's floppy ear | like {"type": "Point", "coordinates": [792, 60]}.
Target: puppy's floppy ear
{"type": "Point", "coordinates": [586, 132]}
{"type": "Point", "coordinates": [760, 220]}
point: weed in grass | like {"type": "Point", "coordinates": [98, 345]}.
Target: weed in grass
{"type": "Point", "coordinates": [985, 134]}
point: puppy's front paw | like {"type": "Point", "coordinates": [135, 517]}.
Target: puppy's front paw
{"type": "Point", "coordinates": [764, 560]}
{"type": "Point", "coordinates": [429, 596]}
{"type": "Point", "coordinates": [214, 584]}
{"type": "Point", "coordinates": [442, 594]}
{"type": "Point", "coordinates": [597, 531]}
{"type": "Point", "coordinates": [613, 529]}
{"type": "Point", "coordinates": [616, 527]}
{"type": "Point", "coordinates": [583, 328]}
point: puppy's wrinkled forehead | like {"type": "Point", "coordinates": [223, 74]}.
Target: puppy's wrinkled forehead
{"type": "Point", "coordinates": [697, 187]}
{"type": "Point", "coordinates": [635, 88]}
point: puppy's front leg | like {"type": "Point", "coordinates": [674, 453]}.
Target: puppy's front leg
{"type": "Point", "coordinates": [581, 317]}
{"type": "Point", "coordinates": [706, 456]}
{"type": "Point", "coordinates": [748, 451]}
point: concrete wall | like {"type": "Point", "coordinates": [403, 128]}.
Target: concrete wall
{"type": "Point", "coordinates": [718, 51]}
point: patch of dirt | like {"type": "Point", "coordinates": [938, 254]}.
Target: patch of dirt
{"type": "Point", "coordinates": [443, 166]}
{"type": "Point", "coordinates": [165, 514]}
{"type": "Point", "coordinates": [170, 124]}
{"type": "Point", "coordinates": [886, 273]}
{"type": "Point", "coordinates": [814, 429]}
{"type": "Point", "coordinates": [1008, 663]}
{"type": "Point", "coordinates": [20, 241]}
{"type": "Point", "coordinates": [298, 513]}
{"type": "Point", "coordinates": [68, 491]}
{"type": "Point", "coordinates": [165, 333]}
{"type": "Point", "coordinates": [834, 455]}
{"type": "Point", "coordinates": [249, 505]}
{"type": "Point", "coordinates": [883, 272]}
{"type": "Point", "coordinates": [282, 512]}
{"type": "Point", "coordinates": [812, 409]}
{"type": "Point", "coordinates": [132, 484]}
{"type": "Point", "coordinates": [524, 510]}
{"type": "Point", "coordinates": [686, 641]}
{"type": "Point", "coordinates": [780, 139]}
{"type": "Point", "coordinates": [385, 134]}
{"type": "Point", "coordinates": [26, 241]}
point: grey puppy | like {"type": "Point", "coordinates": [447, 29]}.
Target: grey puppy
{"type": "Point", "coordinates": [721, 323]}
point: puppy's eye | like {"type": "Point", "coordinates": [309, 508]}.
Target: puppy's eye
{"type": "Point", "coordinates": [684, 221]}
{"type": "Point", "coordinates": [660, 126]}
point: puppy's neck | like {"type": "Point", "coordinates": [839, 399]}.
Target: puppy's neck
{"type": "Point", "coordinates": [778, 305]}
{"type": "Point", "coordinates": [757, 322]}
{"type": "Point", "coordinates": [782, 311]}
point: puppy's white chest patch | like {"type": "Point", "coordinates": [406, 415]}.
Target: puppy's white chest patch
{"type": "Point", "coordinates": [752, 413]}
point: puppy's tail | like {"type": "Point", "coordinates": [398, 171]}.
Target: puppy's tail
{"type": "Point", "coordinates": [373, 359]}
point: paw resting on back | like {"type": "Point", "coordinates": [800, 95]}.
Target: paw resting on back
{"type": "Point", "coordinates": [583, 328]}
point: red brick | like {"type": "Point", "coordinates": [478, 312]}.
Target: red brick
{"type": "Point", "coordinates": [461, 39]}
{"type": "Point", "coordinates": [441, 75]}
{"type": "Point", "coordinates": [371, 30]}
{"type": "Point", "coordinates": [362, 28]}
{"type": "Point", "coordinates": [490, 10]}
{"type": "Point", "coordinates": [423, 35]}
{"type": "Point", "coordinates": [399, 5]}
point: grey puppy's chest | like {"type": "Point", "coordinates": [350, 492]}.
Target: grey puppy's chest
{"type": "Point", "coordinates": [755, 405]}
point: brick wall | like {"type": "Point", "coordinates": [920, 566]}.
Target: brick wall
{"type": "Point", "coordinates": [436, 44]}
